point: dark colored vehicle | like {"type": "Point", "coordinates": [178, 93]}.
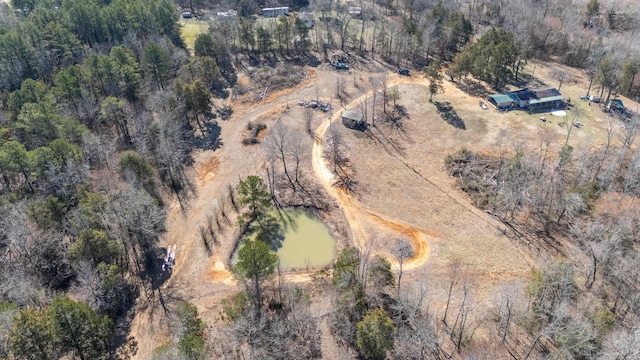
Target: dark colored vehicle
{"type": "Point", "coordinates": [341, 66]}
{"type": "Point", "coordinates": [404, 72]}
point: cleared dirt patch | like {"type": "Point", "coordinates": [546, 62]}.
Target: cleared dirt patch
{"type": "Point", "coordinates": [206, 170]}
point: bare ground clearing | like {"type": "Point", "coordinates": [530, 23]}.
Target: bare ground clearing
{"type": "Point", "coordinates": [403, 190]}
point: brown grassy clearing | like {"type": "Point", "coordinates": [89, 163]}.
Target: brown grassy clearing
{"type": "Point", "coordinates": [403, 190]}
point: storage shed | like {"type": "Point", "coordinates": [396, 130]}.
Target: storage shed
{"type": "Point", "coordinates": [354, 120]}
{"type": "Point", "coordinates": [501, 101]}
{"type": "Point", "coordinates": [275, 12]}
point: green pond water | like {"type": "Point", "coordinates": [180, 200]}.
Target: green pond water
{"type": "Point", "coordinates": [303, 241]}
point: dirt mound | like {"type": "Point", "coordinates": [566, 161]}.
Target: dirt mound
{"type": "Point", "coordinates": [207, 169]}
{"type": "Point", "coordinates": [218, 272]}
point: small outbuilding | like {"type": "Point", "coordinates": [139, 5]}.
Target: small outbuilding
{"type": "Point", "coordinates": [354, 120]}
{"type": "Point", "coordinates": [501, 101]}
{"type": "Point", "coordinates": [275, 12]}
{"type": "Point", "coordinates": [230, 13]}
{"type": "Point", "coordinates": [355, 11]}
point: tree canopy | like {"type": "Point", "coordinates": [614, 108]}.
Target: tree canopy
{"type": "Point", "coordinates": [493, 58]}
{"type": "Point", "coordinates": [253, 192]}
{"type": "Point", "coordinates": [65, 327]}
{"type": "Point", "coordinates": [374, 335]}
{"type": "Point", "coordinates": [256, 263]}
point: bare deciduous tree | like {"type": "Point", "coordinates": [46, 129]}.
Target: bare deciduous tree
{"type": "Point", "coordinates": [418, 336]}
{"type": "Point", "coordinates": [402, 250]}
{"type": "Point", "coordinates": [278, 144]}
{"type": "Point", "coordinates": [454, 273]}
{"type": "Point", "coordinates": [300, 151]}
{"type": "Point", "coordinates": [622, 344]}
{"type": "Point", "coordinates": [342, 27]}
{"type": "Point", "coordinates": [336, 147]}
{"type": "Point", "coordinates": [460, 332]}
{"type": "Point", "coordinates": [507, 306]}
{"type": "Point", "coordinates": [560, 75]}
{"type": "Point", "coordinates": [308, 118]}
{"type": "Point", "coordinates": [630, 131]}
{"type": "Point", "coordinates": [340, 89]}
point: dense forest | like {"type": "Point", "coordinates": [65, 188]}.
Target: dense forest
{"type": "Point", "coordinates": [94, 140]}
{"type": "Point", "coordinates": [103, 105]}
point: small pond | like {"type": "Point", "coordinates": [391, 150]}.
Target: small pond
{"type": "Point", "coordinates": [301, 241]}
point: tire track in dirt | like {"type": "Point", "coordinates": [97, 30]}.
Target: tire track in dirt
{"type": "Point", "coordinates": [355, 212]}
{"type": "Point", "coordinates": [453, 197]}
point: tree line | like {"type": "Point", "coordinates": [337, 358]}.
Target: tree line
{"type": "Point", "coordinates": [556, 201]}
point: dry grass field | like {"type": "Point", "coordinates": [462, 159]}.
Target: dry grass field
{"type": "Point", "coordinates": [402, 190]}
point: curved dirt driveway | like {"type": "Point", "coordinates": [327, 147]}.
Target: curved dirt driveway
{"type": "Point", "coordinates": [363, 221]}
{"type": "Point", "coordinates": [355, 212]}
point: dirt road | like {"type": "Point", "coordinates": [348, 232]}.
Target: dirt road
{"type": "Point", "coordinates": [204, 280]}
{"type": "Point", "coordinates": [354, 211]}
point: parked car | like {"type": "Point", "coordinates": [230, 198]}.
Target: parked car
{"type": "Point", "coordinates": [341, 66]}
{"type": "Point", "coordinates": [404, 72]}
{"type": "Point", "coordinates": [591, 98]}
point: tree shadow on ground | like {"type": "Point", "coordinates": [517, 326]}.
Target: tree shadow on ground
{"type": "Point", "coordinates": [396, 117]}
{"type": "Point", "coordinates": [158, 271]}
{"type": "Point", "coordinates": [222, 93]}
{"type": "Point", "coordinates": [527, 80]}
{"type": "Point", "coordinates": [269, 230]}
{"type": "Point", "coordinates": [449, 114]}
{"type": "Point", "coordinates": [122, 342]}
{"type": "Point", "coordinates": [182, 186]}
{"type": "Point", "coordinates": [303, 60]}
{"type": "Point", "coordinates": [209, 137]}
{"type": "Point", "coordinates": [153, 294]}
{"type": "Point", "coordinates": [473, 88]}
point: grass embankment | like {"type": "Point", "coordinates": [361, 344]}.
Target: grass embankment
{"type": "Point", "coordinates": [191, 29]}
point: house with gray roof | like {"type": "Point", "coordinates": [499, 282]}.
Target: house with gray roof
{"type": "Point", "coordinates": [532, 100]}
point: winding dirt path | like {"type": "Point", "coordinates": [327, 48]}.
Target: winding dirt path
{"type": "Point", "coordinates": [356, 212]}
{"type": "Point", "coordinates": [205, 279]}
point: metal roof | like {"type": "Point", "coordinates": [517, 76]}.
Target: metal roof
{"type": "Point", "coordinates": [547, 99]}
{"type": "Point", "coordinates": [501, 99]}
{"type": "Point", "coordinates": [352, 115]}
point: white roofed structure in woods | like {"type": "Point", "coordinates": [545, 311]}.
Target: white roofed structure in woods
{"type": "Point", "coordinates": [276, 11]}
{"type": "Point", "coordinates": [227, 13]}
